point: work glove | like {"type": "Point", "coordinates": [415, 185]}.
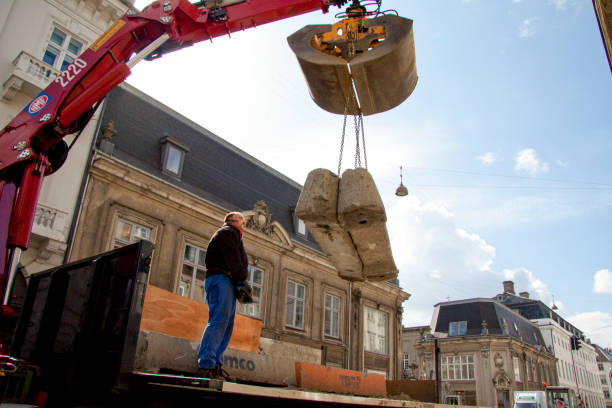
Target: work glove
{"type": "Point", "coordinates": [243, 292]}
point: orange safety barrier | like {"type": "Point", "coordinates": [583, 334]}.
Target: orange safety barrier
{"type": "Point", "coordinates": [328, 379]}
{"type": "Point", "coordinates": [168, 313]}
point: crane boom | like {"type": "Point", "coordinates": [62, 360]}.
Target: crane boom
{"type": "Point", "coordinates": [32, 145]}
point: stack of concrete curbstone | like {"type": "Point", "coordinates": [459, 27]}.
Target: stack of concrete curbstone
{"type": "Point", "coordinates": [347, 219]}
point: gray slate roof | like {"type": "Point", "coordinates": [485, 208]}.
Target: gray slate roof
{"type": "Point", "coordinates": [535, 309]}
{"type": "Point", "coordinates": [475, 311]}
{"type": "Point", "coordinates": [213, 169]}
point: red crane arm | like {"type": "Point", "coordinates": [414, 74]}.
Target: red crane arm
{"type": "Point", "coordinates": [54, 113]}
{"type": "Point", "coordinates": [32, 142]}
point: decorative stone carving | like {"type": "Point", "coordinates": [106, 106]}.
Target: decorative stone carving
{"type": "Point", "coordinates": [501, 380]}
{"type": "Point", "coordinates": [485, 328]}
{"type": "Point", "coordinates": [108, 131]}
{"type": "Point", "coordinates": [259, 218]}
{"type": "Point", "coordinates": [498, 360]}
{"type": "Point", "coordinates": [484, 352]}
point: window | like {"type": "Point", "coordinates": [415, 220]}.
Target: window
{"type": "Point", "coordinates": [61, 49]}
{"type": "Point", "coordinates": [603, 380]}
{"type": "Point", "coordinates": [459, 367]}
{"type": "Point", "coordinates": [332, 315]}
{"type": "Point", "coordinates": [457, 328]}
{"type": "Point", "coordinates": [606, 394]}
{"type": "Point", "coordinates": [193, 273]}
{"type": "Point", "coordinates": [406, 362]}
{"type": "Point", "coordinates": [376, 326]}
{"type": "Point", "coordinates": [517, 369]}
{"type": "Point", "coordinates": [600, 366]}
{"type": "Point", "coordinates": [173, 154]}
{"type": "Point", "coordinates": [296, 295]}
{"type": "Point", "coordinates": [255, 279]}
{"type": "Point", "coordinates": [127, 232]}
{"type": "Point", "coordinates": [379, 372]}
{"type": "Point", "coordinates": [301, 227]}
{"type": "Point", "coordinates": [529, 370]}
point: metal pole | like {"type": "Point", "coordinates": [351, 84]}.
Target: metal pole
{"type": "Point", "coordinates": [437, 363]}
{"type": "Point", "coordinates": [148, 49]}
{"type": "Point", "coordinates": [574, 370]}
{"type": "Point", "coordinates": [12, 273]}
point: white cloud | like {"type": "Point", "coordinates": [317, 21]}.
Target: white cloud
{"type": "Point", "coordinates": [559, 4]}
{"type": "Point", "coordinates": [561, 163]}
{"type": "Point", "coordinates": [436, 259]}
{"type": "Point", "coordinates": [596, 325]}
{"type": "Point", "coordinates": [602, 281]}
{"type": "Point", "coordinates": [527, 161]}
{"type": "Point", "coordinates": [525, 281]}
{"type": "Point", "coordinates": [487, 158]}
{"type": "Point", "coordinates": [516, 1]}
{"type": "Point", "coordinates": [528, 27]}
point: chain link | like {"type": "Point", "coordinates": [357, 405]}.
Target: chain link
{"type": "Point", "coordinates": [351, 104]}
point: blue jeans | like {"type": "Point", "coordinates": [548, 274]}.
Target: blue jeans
{"type": "Point", "coordinates": [221, 310]}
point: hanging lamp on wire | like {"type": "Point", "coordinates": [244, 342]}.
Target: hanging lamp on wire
{"type": "Point", "coordinates": [401, 191]}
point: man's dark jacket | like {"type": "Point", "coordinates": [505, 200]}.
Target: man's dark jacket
{"type": "Point", "coordinates": [226, 255]}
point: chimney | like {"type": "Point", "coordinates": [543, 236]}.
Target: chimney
{"type": "Point", "coordinates": [588, 341]}
{"type": "Point", "coordinates": [524, 295]}
{"type": "Point", "coordinates": [508, 287]}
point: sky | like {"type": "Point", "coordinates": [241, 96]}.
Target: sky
{"type": "Point", "coordinates": [504, 145]}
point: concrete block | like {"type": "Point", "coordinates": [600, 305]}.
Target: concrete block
{"type": "Point", "coordinates": [273, 364]}
{"type": "Point", "coordinates": [359, 204]}
{"type": "Point", "coordinates": [328, 379]}
{"type": "Point", "coordinates": [374, 249]}
{"type": "Point", "coordinates": [318, 200]}
{"type": "Point", "coordinates": [340, 250]}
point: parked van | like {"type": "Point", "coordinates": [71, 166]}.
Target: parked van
{"type": "Point", "coordinates": [530, 399]}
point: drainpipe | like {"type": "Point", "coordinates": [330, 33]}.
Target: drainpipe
{"type": "Point", "coordinates": [437, 363]}
{"type": "Point", "coordinates": [84, 183]}
{"type": "Point", "coordinates": [350, 323]}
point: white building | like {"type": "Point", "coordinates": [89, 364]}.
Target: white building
{"type": "Point", "coordinates": [577, 369]}
{"type": "Point", "coordinates": [38, 38]}
{"type": "Point", "coordinates": [604, 365]}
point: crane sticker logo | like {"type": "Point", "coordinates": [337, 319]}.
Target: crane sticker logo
{"type": "Point", "coordinates": [37, 104]}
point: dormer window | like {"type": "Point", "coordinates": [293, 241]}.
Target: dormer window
{"type": "Point", "coordinates": [301, 227]}
{"type": "Point", "coordinates": [173, 155]}
{"type": "Point", "coordinates": [457, 328]}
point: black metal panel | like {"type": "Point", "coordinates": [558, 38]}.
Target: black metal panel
{"type": "Point", "coordinates": [80, 323]}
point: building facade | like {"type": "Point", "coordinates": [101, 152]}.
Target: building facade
{"type": "Point", "coordinates": [480, 352]}
{"type": "Point", "coordinates": [158, 176]}
{"type": "Point", "coordinates": [577, 368]}
{"type": "Point", "coordinates": [38, 38]}
{"type": "Point", "coordinates": [604, 366]}
{"type": "Point", "coordinates": [411, 336]}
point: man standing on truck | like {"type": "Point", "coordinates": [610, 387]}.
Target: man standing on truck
{"type": "Point", "coordinates": [226, 267]}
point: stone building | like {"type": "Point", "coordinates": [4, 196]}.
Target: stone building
{"type": "Point", "coordinates": [577, 368]}
{"type": "Point", "coordinates": [158, 176]}
{"type": "Point", "coordinates": [480, 352]}
{"type": "Point", "coordinates": [604, 366]}
{"type": "Point", "coordinates": [38, 39]}
{"type": "Point", "coordinates": [411, 336]}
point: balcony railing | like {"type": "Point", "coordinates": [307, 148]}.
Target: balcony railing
{"type": "Point", "coordinates": [29, 75]}
{"type": "Point", "coordinates": [49, 222]}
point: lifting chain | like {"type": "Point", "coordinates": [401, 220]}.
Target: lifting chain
{"type": "Point", "coordinates": [351, 102]}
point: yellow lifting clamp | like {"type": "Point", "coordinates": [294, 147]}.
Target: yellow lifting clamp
{"type": "Point", "coordinates": [369, 60]}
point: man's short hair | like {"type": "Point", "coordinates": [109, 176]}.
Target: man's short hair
{"type": "Point", "coordinates": [229, 215]}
